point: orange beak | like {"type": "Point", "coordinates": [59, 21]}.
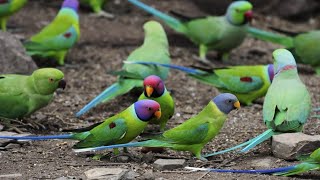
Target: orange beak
{"type": "Point", "coordinates": [157, 114]}
{"type": "Point", "coordinates": [237, 104]}
{"type": "Point", "coordinates": [149, 90]}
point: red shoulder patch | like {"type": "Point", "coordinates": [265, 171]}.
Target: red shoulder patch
{"type": "Point", "coordinates": [246, 79]}
{"type": "Point", "coordinates": [112, 125]}
{"type": "Point", "coordinates": [66, 35]}
{"type": "Point", "coordinates": [4, 1]}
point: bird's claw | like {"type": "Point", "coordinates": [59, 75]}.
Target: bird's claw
{"type": "Point", "coordinates": [103, 14]}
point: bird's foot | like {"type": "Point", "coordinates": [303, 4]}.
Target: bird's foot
{"type": "Point", "coordinates": [203, 61]}
{"type": "Point", "coordinates": [103, 14]}
{"type": "Point", "coordinates": [9, 127]}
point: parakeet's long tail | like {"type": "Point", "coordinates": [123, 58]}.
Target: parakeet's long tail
{"type": "Point", "coordinates": [272, 37]}
{"type": "Point", "coordinates": [249, 144]}
{"type": "Point", "coordinates": [170, 21]}
{"type": "Point", "coordinates": [172, 66]}
{"type": "Point", "coordinates": [39, 138]}
{"type": "Point", "coordinates": [148, 143]}
{"type": "Point", "coordinates": [259, 171]}
{"type": "Point", "coordinates": [111, 92]}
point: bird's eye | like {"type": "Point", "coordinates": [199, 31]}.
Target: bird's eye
{"type": "Point", "coordinates": [237, 10]}
{"type": "Point", "coordinates": [149, 108]}
{"type": "Point", "coordinates": [51, 79]}
{"type": "Point", "coordinates": [230, 101]}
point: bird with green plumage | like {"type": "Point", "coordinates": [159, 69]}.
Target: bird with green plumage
{"type": "Point", "coordinates": [22, 95]}
{"type": "Point", "coordinates": [193, 134]}
{"type": "Point", "coordinates": [219, 33]}
{"type": "Point", "coordinates": [155, 48]}
{"type": "Point", "coordinates": [304, 46]}
{"type": "Point", "coordinates": [59, 36]}
{"type": "Point", "coordinates": [7, 9]}
{"type": "Point", "coordinates": [155, 89]}
{"type": "Point", "coordinates": [287, 104]}
{"type": "Point", "coordinates": [120, 128]}
{"type": "Point", "coordinates": [97, 7]}
{"type": "Point", "coordinates": [309, 163]}
{"type": "Point", "coordinates": [248, 83]}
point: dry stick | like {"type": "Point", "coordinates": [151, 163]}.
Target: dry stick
{"type": "Point", "coordinates": [111, 164]}
{"type": "Point", "coordinates": [204, 174]}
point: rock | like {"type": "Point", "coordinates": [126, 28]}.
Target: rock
{"type": "Point", "coordinates": [168, 164]}
{"type": "Point", "coordinates": [106, 173]}
{"type": "Point", "coordinates": [1, 127]}
{"type": "Point", "coordinates": [7, 176]}
{"type": "Point", "coordinates": [68, 178]}
{"type": "Point", "coordinates": [289, 146]}
{"type": "Point", "coordinates": [131, 175]}
{"type": "Point", "coordinates": [263, 163]}
{"type": "Point", "coordinates": [12, 146]}
{"type": "Point", "coordinates": [123, 159]}
{"type": "Point", "coordinates": [148, 175]}
{"type": "Point", "coordinates": [13, 57]}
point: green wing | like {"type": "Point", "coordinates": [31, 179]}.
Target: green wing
{"type": "Point", "coordinates": [106, 133]}
{"type": "Point", "coordinates": [306, 47]}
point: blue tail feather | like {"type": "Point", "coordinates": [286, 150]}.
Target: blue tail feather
{"type": "Point", "coordinates": [171, 21]}
{"type": "Point", "coordinates": [259, 139]}
{"type": "Point", "coordinates": [258, 171]}
{"type": "Point", "coordinates": [172, 66]}
{"type": "Point", "coordinates": [38, 138]}
{"type": "Point", "coordinates": [229, 149]}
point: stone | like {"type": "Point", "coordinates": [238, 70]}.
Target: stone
{"type": "Point", "coordinates": [12, 146]}
{"type": "Point", "coordinates": [148, 175]}
{"type": "Point", "coordinates": [7, 176]}
{"type": "Point", "coordinates": [290, 146]}
{"type": "Point", "coordinates": [263, 163]}
{"type": "Point", "coordinates": [68, 178]}
{"type": "Point", "coordinates": [106, 173]}
{"type": "Point", "coordinates": [13, 56]}
{"type": "Point", "coordinates": [131, 175]}
{"type": "Point", "coordinates": [168, 164]}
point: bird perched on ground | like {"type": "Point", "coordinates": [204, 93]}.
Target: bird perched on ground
{"type": "Point", "coordinates": [120, 128]}
{"type": "Point", "coordinates": [7, 8]}
{"type": "Point", "coordinates": [22, 95]}
{"type": "Point", "coordinates": [287, 104]}
{"type": "Point", "coordinates": [193, 134]}
{"type": "Point", "coordinates": [309, 164]}
{"type": "Point", "coordinates": [97, 7]}
{"type": "Point", "coordinates": [154, 49]}
{"type": "Point", "coordinates": [155, 89]}
{"type": "Point", "coordinates": [59, 36]}
{"type": "Point", "coordinates": [248, 83]}
{"type": "Point", "coordinates": [304, 46]}
{"type": "Point", "coordinates": [220, 33]}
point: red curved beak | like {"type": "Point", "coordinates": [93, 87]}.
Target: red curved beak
{"type": "Point", "coordinates": [248, 15]}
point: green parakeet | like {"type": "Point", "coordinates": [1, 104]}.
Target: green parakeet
{"type": "Point", "coordinates": [248, 83]}
{"type": "Point", "coordinates": [304, 46]}
{"type": "Point", "coordinates": [7, 8]}
{"type": "Point", "coordinates": [97, 7]}
{"type": "Point", "coordinates": [220, 33]}
{"type": "Point", "coordinates": [154, 49]}
{"type": "Point", "coordinates": [120, 128]}
{"type": "Point", "coordinates": [155, 89]}
{"type": "Point", "coordinates": [309, 164]}
{"type": "Point", "coordinates": [59, 36]}
{"type": "Point", "coordinates": [22, 95]}
{"type": "Point", "coordinates": [193, 134]}
{"type": "Point", "coordinates": [287, 104]}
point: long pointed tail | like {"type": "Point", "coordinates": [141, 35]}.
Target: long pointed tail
{"type": "Point", "coordinates": [229, 149]}
{"type": "Point", "coordinates": [38, 138]}
{"type": "Point", "coordinates": [259, 139]}
{"type": "Point", "coordinates": [172, 66]}
{"type": "Point", "coordinates": [258, 171]}
{"type": "Point", "coordinates": [148, 143]}
{"type": "Point", "coordinates": [170, 21]}
{"type": "Point", "coordinates": [272, 37]}
{"type": "Point", "coordinates": [111, 92]}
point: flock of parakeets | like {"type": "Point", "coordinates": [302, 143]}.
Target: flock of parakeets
{"type": "Point", "coordinates": [286, 107]}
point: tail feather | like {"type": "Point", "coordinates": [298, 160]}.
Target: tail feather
{"type": "Point", "coordinates": [258, 171]}
{"type": "Point", "coordinates": [259, 139]}
{"type": "Point", "coordinates": [148, 143]}
{"type": "Point", "coordinates": [229, 149]}
{"type": "Point", "coordinates": [111, 92]}
{"type": "Point", "coordinates": [170, 21]}
{"type": "Point", "coordinates": [272, 37]}
{"type": "Point", "coordinates": [172, 66]}
{"type": "Point", "coordinates": [39, 138]}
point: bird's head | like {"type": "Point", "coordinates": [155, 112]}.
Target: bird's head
{"type": "Point", "coordinates": [47, 80]}
{"type": "Point", "coordinates": [226, 102]}
{"type": "Point", "coordinates": [72, 4]}
{"type": "Point", "coordinates": [283, 60]}
{"type": "Point", "coordinates": [153, 86]}
{"type": "Point", "coordinates": [146, 109]}
{"type": "Point", "coordinates": [270, 72]}
{"type": "Point", "coordinates": [239, 12]}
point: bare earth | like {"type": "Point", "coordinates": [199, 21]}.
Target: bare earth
{"type": "Point", "coordinates": [104, 44]}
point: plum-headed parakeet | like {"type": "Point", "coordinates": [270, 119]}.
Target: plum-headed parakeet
{"type": "Point", "coordinates": [154, 49]}
{"type": "Point", "coordinates": [220, 33]}
{"type": "Point", "coordinates": [59, 36]}
{"type": "Point", "coordinates": [7, 8]}
{"type": "Point", "coordinates": [120, 128]}
{"type": "Point", "coordinates": [193, 134]}
{"type": "Point", "coordinates": [287, 104]}
{"type": "Point", "coordinates": [22, 95]}
{"type": "Point", "coordinates": [155, 89]}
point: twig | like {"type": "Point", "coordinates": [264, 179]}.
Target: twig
{"type": "Point", "coordinates": [203, 175]}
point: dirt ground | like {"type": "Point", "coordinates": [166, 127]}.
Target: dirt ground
{"type": "Point", "coordinates": [104, 44]}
